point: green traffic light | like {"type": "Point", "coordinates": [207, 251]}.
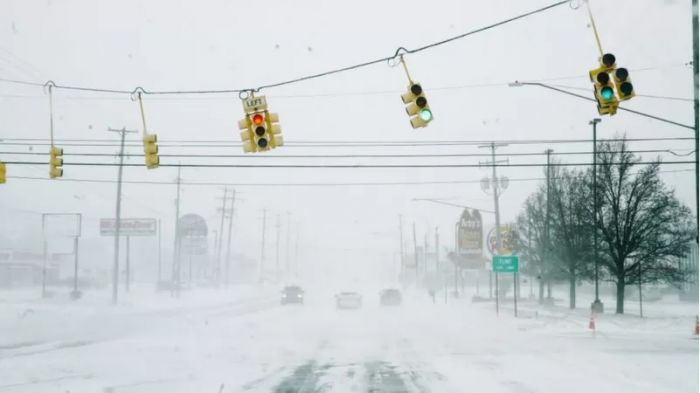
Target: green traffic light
{"type": "Point", "coordinates": [607, 93]}
{"type": "Point", "coordinates": [426, 115]}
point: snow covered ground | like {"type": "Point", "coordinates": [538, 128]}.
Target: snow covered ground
{"type": "Point", "coordinates": [242, 340]}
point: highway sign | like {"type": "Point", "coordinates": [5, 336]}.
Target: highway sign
{"type": "Point", "coordinates": [505, 264]}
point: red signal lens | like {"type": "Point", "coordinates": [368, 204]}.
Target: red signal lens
{"type": "Point", "coordinates": [257, 119]}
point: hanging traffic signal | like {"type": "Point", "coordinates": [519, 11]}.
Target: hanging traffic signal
{"type": "Point", "coordinates": [150, 151]}
{"type": "Point", "coordinates": [55, 162]}
{"type": "Point", "coordinates": [417, 106]}
{"type": "Point", "coordinates": [624, 87]}
{"type": "Point", "coordinates": [3, 173]}
{"type": "Point", "coordinates": [245, 126]}
{"type": "Point", "coordinates": [260, 132]}
{"type": "Point", "coordinates": [603, 88]}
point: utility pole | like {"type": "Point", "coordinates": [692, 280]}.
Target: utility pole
{"type": "Point", "coordinates": [403, 259]}
{"type": "Point", "coordinates": [262, 247]}
{"type": "Point", "coordinates": [696, 109]}
{"type": "Point", "coordinates": [597, 305]}
{"type": "Point", "coordinates": [221, 237]}
{"type": "Point", "coordinates": [547, 219]}
{"type": "Point", "coordinates": [228, 242]}
{"type": "Point", "coordinates": [277, 249]}
{"type": "Point", "coordinates": [117, 223]}
{"type": "Point", "coordinates": [495, 188]}
{"type": "Point", "coordinates": [437, 250]}
{"type": "Point", "coordinates": [160, 248]}
{"type": "Point", "coordinates": [415, 252]}
{"type": "Point", "coordinates": [289, 232]}
{"type": "Point", "coordinates": [176, 244]}
{"type": "Point", "coordinates": [425, 252]}
{"type": "Point", "coordinates": [127, 278]}
{"type": "Point", "coordinates": [296, 255]}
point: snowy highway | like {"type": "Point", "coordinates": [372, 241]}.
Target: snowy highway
{"type": "Point", "coordinates": [257, 345]}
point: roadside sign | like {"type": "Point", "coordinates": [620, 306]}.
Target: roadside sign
{"type": "Point", "coordinates": [505, 264]}
{"type": "Point", "coordinates": [128, 227]}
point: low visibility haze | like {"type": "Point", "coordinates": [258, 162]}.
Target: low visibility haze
{"type": "Point", "coordinates": [299, 217]}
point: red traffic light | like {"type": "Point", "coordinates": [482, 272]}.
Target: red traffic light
{"type": "Point", "coordinates": [258, 119]}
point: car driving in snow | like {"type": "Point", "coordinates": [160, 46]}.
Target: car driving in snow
{"type": "Point", "coordinates": [292, 294]}
{"type": "Point", "coordinates": [348, 300]}
{"type": "Point", "coordinates": [390, 297]}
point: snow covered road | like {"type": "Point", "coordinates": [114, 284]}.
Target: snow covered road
{"type": "Point", "coordinates": [260, 346]}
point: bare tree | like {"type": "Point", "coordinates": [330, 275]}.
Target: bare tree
{"type": "Point", "coordinates": [643, 227]}
{"type": "Point", "coordinates": [531, 228]}
{"type": "Point", "coordinates": [571, 223]}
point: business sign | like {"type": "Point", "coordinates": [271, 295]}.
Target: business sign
{"type": "Point", "coordinates": [509, 240]}
{"type": "Point", "coordinates": [470, 233]}
{"type": "Point", "coordinates": [505, 264]}
{"type": "Point", "coordinates": [61, 224]}
{"type": "Point", "coordinates": [128, 227]}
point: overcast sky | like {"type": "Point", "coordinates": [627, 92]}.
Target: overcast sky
{"type": "Point", "coordinates": [216, 44]}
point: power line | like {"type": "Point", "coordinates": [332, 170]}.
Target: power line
{"type": "Point", "coordinates": [357, 93]}
{"type": "Point", "coordinates": [294, 156]}
{"type": "Point", "coordinates": [330, 184]}
{"type": "Point", "coordinates": [327, 143]}
{"type": "Point", "coordinates": [399, 52]}
{"type": "Point", "coordinates": [344, 166]}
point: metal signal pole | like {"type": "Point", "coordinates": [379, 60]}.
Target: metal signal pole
{"type": "Point", "coordinates": [117, 220]}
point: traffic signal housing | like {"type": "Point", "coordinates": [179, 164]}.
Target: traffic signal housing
{"type": "Point", "coordinates": [417, 106]}
{"type": "Point", "coordinates": [603, 87]}
{"type": "Point", "coordinates": [623, 85]}
{"type": "Point", "coordinates": [260, 131]}
{"type": "Point", "coordinates": [3, 173]}
{"type": "Point", "coordinates": [55, 162]}
{"type": "Point", "coordinates": [150, 151]}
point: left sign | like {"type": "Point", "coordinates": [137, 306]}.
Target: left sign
{"type": "Point", "coordinates": [128, 227]}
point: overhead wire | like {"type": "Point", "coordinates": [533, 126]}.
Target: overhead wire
{"type": "Point", "coordinates": [292, 184]}
{"type": "Point", "coordinates": [312, 156]}
{"type": "Point", "coordinates": [399, 51]}
{"type": "Point", "coordinates": [347, 166]}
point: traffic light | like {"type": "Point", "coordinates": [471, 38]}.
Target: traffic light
{"type": "Point", "coordinates": [603, 88]}
{"type": "Point", "coordinates": [245, 126]}
{"type": "Point", "coordinates": [3, 173]}
{"type": "Point", "coordinates": [55, 162]}
{"type": "Point", "coordinates": [260, 131]}
{"type": "Point", "coordinates": [417, 106]}
{"type": "Point", "coordinates": [624, 87]}
{"type": "Point", "coordinates": [150, 151]}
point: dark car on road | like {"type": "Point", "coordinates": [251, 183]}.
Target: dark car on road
{"type": "Point", "coordinates": [292, 294]}
{"type": "Point", "coordinates": [390, 297]}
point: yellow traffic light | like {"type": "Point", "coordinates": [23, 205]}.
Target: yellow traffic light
{"type": "Point", "coordinates": [260, 131]}
{"type": "Point", "coordinates": [3, 173]}
{"type": "Point", "coordinates": [623, 85]}
{"type": "Point", "coordinates": [246, 135]}
{"type": "Point", "coordinates": [275, 129]}
{"type": "Point", "coordinates": [417, 106]}
{"type": "Point", "coordinates": [55, 162]}
{"type": "Point", "coordinates": [603, 87]}
{"type": "Point", "coordinates": [150, 150]}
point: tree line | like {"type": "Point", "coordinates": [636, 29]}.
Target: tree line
{"type": "Point", "coordinates": [642, 228]}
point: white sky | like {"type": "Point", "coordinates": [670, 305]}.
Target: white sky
{"type": "Point", "coordinates": [214, 44]}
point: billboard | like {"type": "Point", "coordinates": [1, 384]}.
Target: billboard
{"type": "Point", "coordinates": [470, 233]}
{"type": "Point", "coordinates": [129, 227]}
{"type": "Point", "coordinates": [61, 224]}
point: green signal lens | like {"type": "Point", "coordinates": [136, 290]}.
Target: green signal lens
{"type": "Point", "coordinates": [607, 93]}
{"type": "Point", "coordinates": [426, 115]}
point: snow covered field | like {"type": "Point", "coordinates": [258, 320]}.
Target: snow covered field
{"type": "Point", "coordinates": [242, 340]}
